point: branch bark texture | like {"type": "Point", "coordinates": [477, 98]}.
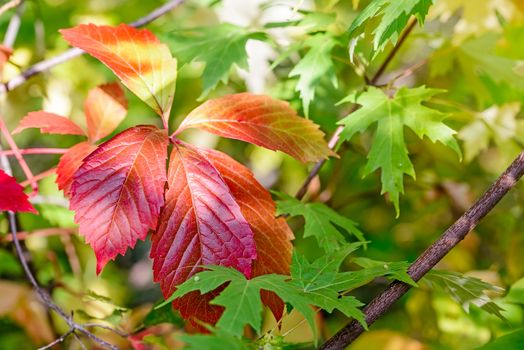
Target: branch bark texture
{"type": "Point", "coordinates": [433, 254]}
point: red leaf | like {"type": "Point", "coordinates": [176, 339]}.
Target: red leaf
{"type": "Point", "coordinates": [49, 123]}
{"type": "Point", "coordinates": [263, 121]}
{"type": "Point", "coordinates": [12, 195]}
{"type": "Point", "coordinates": [201, 224]}
{"type": "Point", "coordinates": [136, 56]}
{"type": "Point", "coordinates": [118, 191]}
{"type": "Point", "coordinates": [69, 163]}
{"type": "Point", "coordinates": [105, 107]}
{"type": "Point", "coordinates": [272, 235]}
{"type": "Point", "coordinates": [272, 238]}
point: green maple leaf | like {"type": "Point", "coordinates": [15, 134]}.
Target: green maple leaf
{"type": "Point", "coordinates": [389, 151]}
{"type": "Point", "coordinates": [394, 16]}
{"type": "Point", "coordinates": [316, 280]}
{"type": "Point", "coordinates": [219, 340]}
{"type": "Point", "coordinates": [513, 340]}
{"type": "Point", "coordinates": [320, 222]}
{"type": "Point", "coordinates": [219, 47]}
{"type": "Point", "coordinates": [241, 297]}
{"type": "Point", "coordinates": [315, 66]}
{"type": "Point", "coordinates": [465, 290]}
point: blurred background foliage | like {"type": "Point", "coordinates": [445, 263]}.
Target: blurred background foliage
{"type": "Point", "coordinates": [472, 49]}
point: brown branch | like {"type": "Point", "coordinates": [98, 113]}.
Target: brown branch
{"type": "Point", "coordinates": [74, 52]}
{"type": "Point", "coordinates": [432, 255]}
{"type": "Point", "coordinates": [374, 80]}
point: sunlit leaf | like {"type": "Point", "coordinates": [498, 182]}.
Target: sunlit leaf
{"type": "Point", "coordinates": [260, 120]}
{"type": "Point", "coordinates": [49, 123]}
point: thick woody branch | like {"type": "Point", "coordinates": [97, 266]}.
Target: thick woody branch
{"type": "Point", "coordinates": [432, 255]}
{"type": "Point", "coordinates": [74, 52]}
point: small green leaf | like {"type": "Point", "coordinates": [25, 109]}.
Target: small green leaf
{"type": "Point", "coordinates": [219, 47]}
{"type": "Point", "coordinates": [516, 293]}
{"type": "Point", "coordinates": [320, 222]}
{"type": "Point", "coordinates": [394, 16]}
{"type": "Point", "coordinates": [389, 151]}
{"type": "Point", "coordinates": [465, 290]}
{"type": "Point", "coordinates": [315, 66]}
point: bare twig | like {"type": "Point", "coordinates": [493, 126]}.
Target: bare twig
{"type": "Point", "coordinates": [57, 341]}
{"type": "Point", "coordinates": [432, 255]}
{"type": "Point", "coordinates": [74, 52]}
{"type": "Point", "coordinates": [14, 23]}
{"type": "Point", "coordinates": [373, 81]}
{"type": "Point", "coordinates": [10, 152]}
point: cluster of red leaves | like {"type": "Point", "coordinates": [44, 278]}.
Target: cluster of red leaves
{"type": "Point", "coordinates": [205, 208]}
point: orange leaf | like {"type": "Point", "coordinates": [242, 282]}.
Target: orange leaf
{"type": "Point", "coordinates": [69, 163]}
{"type": "Point", "coordinates": [136, 56]}
{"type": "Point", "coordinates": [118, 191]}
{"type": "Point", "coordinates": [105, 107]}
{"type": "Point", "coordinates": [49, 123]}
{"type": "Point", "coordinates": [263, 121]}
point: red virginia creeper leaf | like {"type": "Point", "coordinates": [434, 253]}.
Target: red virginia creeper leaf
{"type": "Point", "coordinates": [272, 238]}
{"type": "Point", "coordinates": [69, 163]}
{"type": "Point", "coordinates": [118, 191]}
{"type": "Point", "coordinates": [12, 196]}
{"type": "Point", "coordinates": [263, 121]}
{"type": "Point", "coordinates": [49, 123]}
{"type": "Point", "coordinates": [143, 63]}
{"type": "Point", "coordinates": [201, 223]}
{"type": "Point", "coordinates": [105, 107]}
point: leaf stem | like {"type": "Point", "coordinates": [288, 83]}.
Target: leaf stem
{"type": "Point", "coordinates": [35, 151]}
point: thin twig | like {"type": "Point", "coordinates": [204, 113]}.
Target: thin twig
{"type": "Point", "coordinates": [27, 171]}
{"type": "Point", "coordinates": [373, 81]}
{"type": "Point", "coordinates": [39, 177]}
{"type": "Point", "coordinates": [57, 341]}
{"type": "Point", "coordinates": [74, 52]}
{"type": "Point", "coordinates": [432, 255]}
{"type": "Point", "coordinates": [10, 152]}
{"type": "Point", "coordinates": [44, 232]}
{"type": "Point", "coordinates": [14, 23]}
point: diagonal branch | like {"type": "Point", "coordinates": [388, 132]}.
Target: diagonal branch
{"type": "Point", "coordinates": [433, 254]}
{"type": "Point", "coordinates": [373, 81]}
{"type": "Point", "coordinates": [74, 52]}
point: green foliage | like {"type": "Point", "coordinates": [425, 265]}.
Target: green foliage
{"type": "Point", "coordinates": [322, 222]}
{"type": "Point", "coordinates": [394, 16]}
{"type": "Point", "coordinates": [513, 340]}
{"type": "Point", "coordinates": [388, 151]}
{"type": "Point", "coordinates": [465, 290]}
{"type": "Point", "coordinates": [164, 314]}
{"type": "Point", "coordinates": [216, 341]}
{"type": "Point", "coordinates": [315, 66]}
{"type": "Point", "coordinates": [218, 47]}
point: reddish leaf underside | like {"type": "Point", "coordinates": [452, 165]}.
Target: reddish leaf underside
{"type": "Point", "coordinates": [105, 107]}
{"type": "Point", "coordinates": [69, 163]}
{"type": "Point", "coordinates": [12, 196]}
{"type": "Point", "coordinates": [49, 123]}
{"type": "Point", "coordinates": [117, 192]}
{"type": "Point", "coordinates": [143, 63]}
{"type": "Point", "coordinates": [272, 238]}
{"type": "Point", "coordinates": [201, 224]}
{"type": "Point", "coordinates": [263, 121]}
